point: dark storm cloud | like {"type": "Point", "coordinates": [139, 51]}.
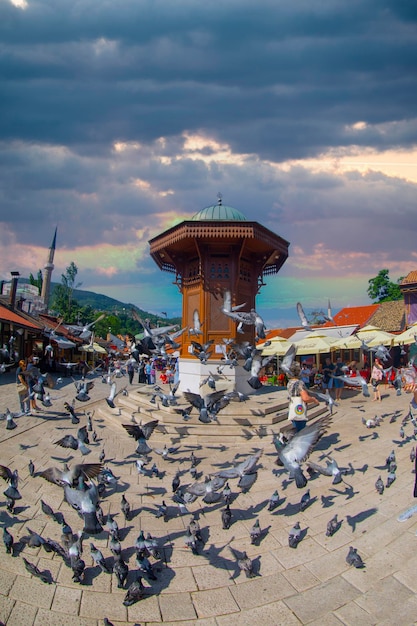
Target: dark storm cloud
{"type": "Point", "coordinates": [268, 78]}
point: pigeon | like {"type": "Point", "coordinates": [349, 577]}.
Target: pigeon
{"type": "Point", "coordinates": [227, 494]}
{"type": "Point", "coordinates": [208, 489]}
{"type": "Point", "coordinates": [112, 395]}
{"type": "Point", "coordinates": [390, 479]}
{"type": "Point", "coordinates": [12, 493]}
{"type": "Point", "coordinates": [145, 566]}
{"type": "Point", "coordinates": [258, 363]}
{"type": "Point", "coordinates": [141, 434]}
{"type": "Point", "coordinates": [176, 482]}
{"type": "Point", "coordinates": [196, 328]}
{"type": "Point", "coordinates": [162, 511]}
{"type": "Point", "coordinates": [273, 501]}
{"type": "Point", "coordinates": [379, 485]}
{"type": "Point", "coordinates": [294, 536]}
{"type": "Point", "coordinates": [135, 592]}
{"type": "Point", "coordinates": [255, 532]}
{"type": "Point", "coordinates": [78, 443]}
{"type": "Point", "coordinates": [85, 500]}
{"type": "Point", "coordinates": [32, 569]}
{"type": "Point", "coordinates": [195, 530]}
{"type": "Point", "coordinates": [121, 570]}
{"type": "Point", "coordinates": [190, 541]}
{"type": "Point", "coordinates": [70, 409]}
{"type": "Point", "coordinates": [353, 558]}
{"type": "Point", "coordinates": [114, 544]}
{"type": "Point", "coordinates": [355, 381]}
{"type": "Point", "coordinates": [201, 351]}
{"type": "Point", "coordinates": [209, 405]}
{"type": "Point", "coordinates": [98, 558]}
{"type": "Point", "coordinates": [332, 526]}
{"type": "Point", "coordinates": [305, 500]}
{"type": "Point", "coordinates": [112, 526]}
{"type": "Point", "coordinates": [8, 541]}
{"type": "Point", "coordinates": [78, 567]}
{"type": "Point", "coordinates": [303, 318]}
{"type": "Point", "coordinates": [240, 470]}
{"type": "Point", "coordinates": [331, 469]}
{"type": "Point", "coordinates": [288, 360]}
{"type": "Point", "coordinates": [226, 517]}
{"type": "Point", "coordinates": [70, 476]}
{"type": "Point", "coordinates": [31, 468]}
{"type": "Point", "coordinates": [390, 458]}
{"type": "Point", "coordinates": [152, 546]}
{"type": "Point", "coordinates": [165, 452]}
{"type": "Point", "coordinates": [300, 447]}
{"type": "Point", "coordinates": [246, 318]}
{"type": "Point", "coordinates": [125, 508]}
{"type": "Point", "coordinates": [10, 423]}
{"type": "Point", "coordinates": [244, 563]}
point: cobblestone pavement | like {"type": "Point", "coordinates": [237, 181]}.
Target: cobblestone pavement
{"type": "Point", "coordinates": [311, 584]}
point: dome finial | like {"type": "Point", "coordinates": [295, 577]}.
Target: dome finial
{"type": "Point", "coordinates": [219, 198]}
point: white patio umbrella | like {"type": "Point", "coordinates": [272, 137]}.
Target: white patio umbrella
{"type": "Point", "coordinates": [407, 336]}
{"type": "Point", "coordinates": [374, 336]}
{"type": "Point", "coordinates": [315, 344]}
{"type": "Point", "coordinates": [278, 346]}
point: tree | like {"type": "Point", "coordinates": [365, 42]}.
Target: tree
{"type": "Point", "coordinates": [36, 282]}
{"type": "Point", "coordinates": [381, 289]}
{"type": "Point", "coordinates": [62, 297]}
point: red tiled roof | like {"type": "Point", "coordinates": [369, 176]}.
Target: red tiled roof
{"type": "Point", "coordinates": [13, 317]}
{"type": "Point", "coordinates": [410, 278]}
{"type": "Point", "coordinates": [359, 315]}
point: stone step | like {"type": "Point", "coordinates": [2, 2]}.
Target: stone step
{"type": "Point", "coordinates": [236, 424]}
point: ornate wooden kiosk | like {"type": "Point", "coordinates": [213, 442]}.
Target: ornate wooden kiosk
{"type": "Point", "coordinates": [218, 249]}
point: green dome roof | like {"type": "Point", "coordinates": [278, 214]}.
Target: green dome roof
{"type": "Point", "coordinates": [219, 212]}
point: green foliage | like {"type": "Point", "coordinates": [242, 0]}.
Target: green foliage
{"type": "Point", "coordinates": [382, 289]}
{"type": "Point", "coordinates": [62, 295]}
{"type": "Point", "coordinates": [37, 282]}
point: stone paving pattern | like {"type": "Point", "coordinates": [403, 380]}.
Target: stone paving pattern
{"type": "Point", "coordinates": [312, 584]}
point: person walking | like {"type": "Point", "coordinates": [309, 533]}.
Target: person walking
{"type": "Point", "coordinates": [377, 375]}
{"type": "Point", "coordinates": [32, 379]}
{"type": "Point", "coordinates": [338, 384]}
{"type": "Point", "coordinates": [22, 388]}
{"type": "Point", "coordinates": [299, 398]}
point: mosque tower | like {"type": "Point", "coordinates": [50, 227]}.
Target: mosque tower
{"type": "Point", "coordinates": [46, 284]}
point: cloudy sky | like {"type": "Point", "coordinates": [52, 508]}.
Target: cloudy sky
{"type": "Point", "coordinates": [121, 118]}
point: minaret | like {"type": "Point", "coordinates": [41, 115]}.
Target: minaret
{"type": "Point", "coordinates": [46, 283]}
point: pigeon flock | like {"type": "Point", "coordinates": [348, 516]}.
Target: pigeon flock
{"type": "Point", "coordinates": [132, 516]}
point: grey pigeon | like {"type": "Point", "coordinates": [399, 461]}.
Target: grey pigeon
{"type": "Point", "coordinates": [353, 558]}
{"type": "Point", "coordinates": [31, 468]}
{"type": "Point", "coordinates": [390, 479]}
{"type": "Point", "coordinates": [300, 447]}
{"type": "Point", "coordinates": [78, 567]}
{"type": "Point", "coordinates": [98, 558]}
{"type": "Point", "coordinates": [85, 501]}
{"type": "Point", "coordinates": [332, 526]}
{"type": "Point", "coordinates": [121, 570]}
{"type": "Point", "coordinates": [305, 500]}
{"type": "Point", "coordinates": [141, 434]}
{"type": "Point", "coordinates": [379, 485]}
{"type": "Point", "coordinates": [294, 536]}
{"type": "Point", "coordinates": [125, 508]}
{"type": "Point", "coordinates": [244, 563]}
{"type": "Point", "coordinates": [8, 541]}
{"type": "Point", "coordinates": [135, 592]}
{"type": "Point", "coordinates": [255, 532]}
{"type": "Point", "coordinates": [226, 517]}
{"type": "Point", "coordinates": [32, 569]}
{"type": "Point", "coordinates": [273, 501]}
{"type": "Point", "coordinates": [70, 476]}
